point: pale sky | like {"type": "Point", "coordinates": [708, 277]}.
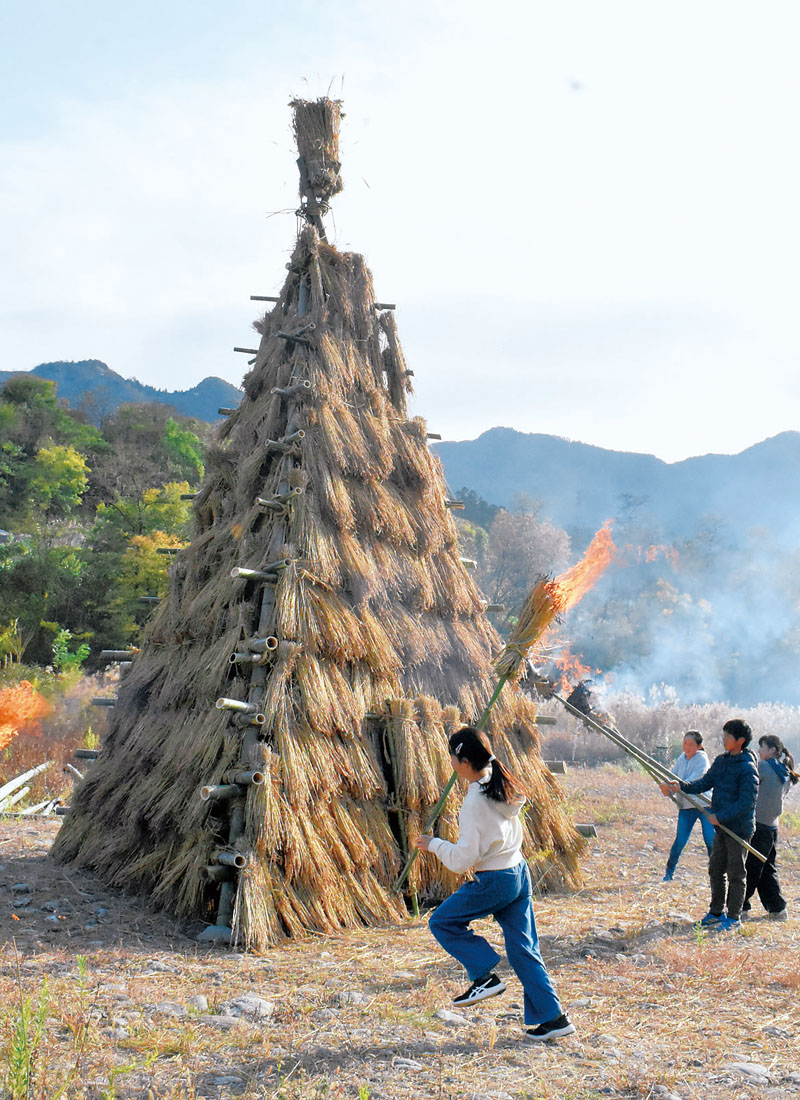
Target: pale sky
{"type": "Point", "coordinates": [586, 211]}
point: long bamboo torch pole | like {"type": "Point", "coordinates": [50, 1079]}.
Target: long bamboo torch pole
{"type": "Point", "coordinates": [546, 600]}
{"type": "Point", "coordinates": [658, 771]}
{"type": "Point", "coordinates": [437, 809]}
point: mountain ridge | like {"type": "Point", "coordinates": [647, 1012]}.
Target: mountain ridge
{"type": "Point", "coordinates": [91, 385]}
{"type": "Point", "coordinates": [580, 485]}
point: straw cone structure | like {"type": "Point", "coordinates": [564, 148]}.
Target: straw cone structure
{"type": "Point", "coordinates": [325, 493]}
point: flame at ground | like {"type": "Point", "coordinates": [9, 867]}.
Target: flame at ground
{"type": "Point", "coordinates": [20, 704]}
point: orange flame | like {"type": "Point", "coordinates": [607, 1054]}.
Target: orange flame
{"type": "Point", "coordinates": [549, 598]}
{"type": "Point", "coordinates": [19, 704]}
{"type": "Point", "coordinates": [573, 585]}
{"type": "Point", "coordinates": [571, 668]}
{"type": "Point", "coordinates": [652, 552]}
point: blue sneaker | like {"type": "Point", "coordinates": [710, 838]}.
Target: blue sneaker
{"type": "Point", "coordinates": [729, 924]}
{"type": "Point", "coordinates": [667, 877]}
{"type": "Point", "coordinates": [711, 920]}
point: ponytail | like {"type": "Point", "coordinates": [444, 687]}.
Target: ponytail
{"type": "Point", "coordinates": [473, 746]}
{"type": "Point", "coordinates": [772, 741]}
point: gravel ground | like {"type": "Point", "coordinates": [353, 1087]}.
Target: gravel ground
{"type": "Point", "coordinates": [662, 1010]}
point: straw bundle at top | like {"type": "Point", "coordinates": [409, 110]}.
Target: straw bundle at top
{"type": "Point", "coordinates": [383, 647]}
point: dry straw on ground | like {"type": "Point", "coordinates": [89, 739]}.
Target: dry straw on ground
{"type": "Point", "coordinates": [385, 647]}
{"type": "Point", "coordinates": [659, 1005]}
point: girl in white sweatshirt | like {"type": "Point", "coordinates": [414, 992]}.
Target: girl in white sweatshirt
{"type": "Point", "coordinates": [490, 842]}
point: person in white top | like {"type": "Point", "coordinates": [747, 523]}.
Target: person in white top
{"type": "Point", "coordinates": [490, 842]}
{"type": "Point", "coordinates": [690, 765]}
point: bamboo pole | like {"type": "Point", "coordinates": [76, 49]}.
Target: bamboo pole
{"type": "Point", "coordinates": [12, 784]}
{"type": "Point", "coordinates": [655, 769]}
{"type": "Point", "coordinates": [12, 800]}
{"type": "Point", "coordinates": [437, 809]}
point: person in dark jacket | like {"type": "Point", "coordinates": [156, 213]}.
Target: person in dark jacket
{"type": "Point", "coordinates": [734, 779]}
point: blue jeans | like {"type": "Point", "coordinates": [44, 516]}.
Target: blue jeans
{"type": "Point", "coordinates": [506, 895]}
{"type": "Point", "coordinates": [686, 822]}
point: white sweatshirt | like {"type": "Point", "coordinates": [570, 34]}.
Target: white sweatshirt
{"type": "Point", "coordinates": [489, 835]}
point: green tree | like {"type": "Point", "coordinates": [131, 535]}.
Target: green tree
{"type": "Point", "coordinates": [184, 449]}
{"type": "Point", "coordinates": [155, 509]}
{"type": "Point", "coordinates": [59, 479]}
{"type": "Point", "coordinates": [150, 445]}
{"type": "Point", "coordinates": [63, 659]}
{"type": "Point", "coordinates": [40, 583]}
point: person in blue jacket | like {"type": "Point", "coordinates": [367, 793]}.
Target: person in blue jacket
{"type": "Point", "coordinates": [734, 779]}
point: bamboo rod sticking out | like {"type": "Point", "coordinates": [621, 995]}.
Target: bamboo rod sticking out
{"type": "Point", "coordinates": [236, 704]}
{"type": "Point", "coordinates": [247, 351]}
{"type": "Point", "coordinates": [244, 720]}
{"type": "Point", "coordinates": [225, 411]}
{"type": "Point", "coordinates": [455, 505]}
{"type": "Point", "coordinates": [253, 575]}
{"type": "Point", "coordinates": [432, 435]}
{"type": "Point", "coordinates": [188, 496]}
{"type": "Point", "coordinates": [217, 873]}
{"type": "Point", "coordinates": [262, 645]}
{"type": "Point", "coordinates": [278, 503]}
{"type": "Point", "coordinates": [288, 445]}
{"type": "Point", "coordinates": [468, 563]}
{"type": "Point", "coordinates": [118, 654]}
{"type": "Point", "coordinates": [240, 658]}
{"type": "Point", "coordinates": [231, 859]}
{"type": "Point", "coordinates": [149, 599]}
{"type": "Point", "coordinates": [384, 305]}
{"type": "Point", "coordinates": [263, 298]}
{"type": "Point", "coordinates": [86, 754]}
{"type": "Point", "coordinates": [103, 701]}
{"type": "Point", "coordinates": [298, 337]}
{"type": "Point", "coordinates": [301, 387]}
{"type": "Point", "coordinates": [219, 791]}
{"type": "Point", "coordinates": [246, 778]}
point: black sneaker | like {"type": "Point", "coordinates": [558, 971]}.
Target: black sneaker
{"type": "Point", "coordinates": [553, 1029]}
{"type": "Point", "coordinates": [489, 986]}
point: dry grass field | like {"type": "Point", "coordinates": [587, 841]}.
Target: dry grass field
{"type": "Point", "coordinates": [102, 998]}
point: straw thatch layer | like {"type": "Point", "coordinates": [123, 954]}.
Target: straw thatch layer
{"type": "Point", "coordinates": [384, 650]}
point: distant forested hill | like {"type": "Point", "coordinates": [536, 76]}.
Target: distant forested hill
{"type": "Point", "coordinates": [703, 593]}
{"type": "Point", "coordinates": [91, 386]}
{"type": "Point", "coordinates": [580, 486]}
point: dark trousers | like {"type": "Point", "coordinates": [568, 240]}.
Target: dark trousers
{"type": "Point", "coordinates": [726, 872]}
{"type": "Point", "coordinates": [763, 876]}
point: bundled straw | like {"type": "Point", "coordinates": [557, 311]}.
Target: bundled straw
{"type": "Point", "coordinates": [369, 602]}
{"type": "Point", "coordinates": [316, 129]}
{"type": "Point", "coordinates": [550, 598]}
